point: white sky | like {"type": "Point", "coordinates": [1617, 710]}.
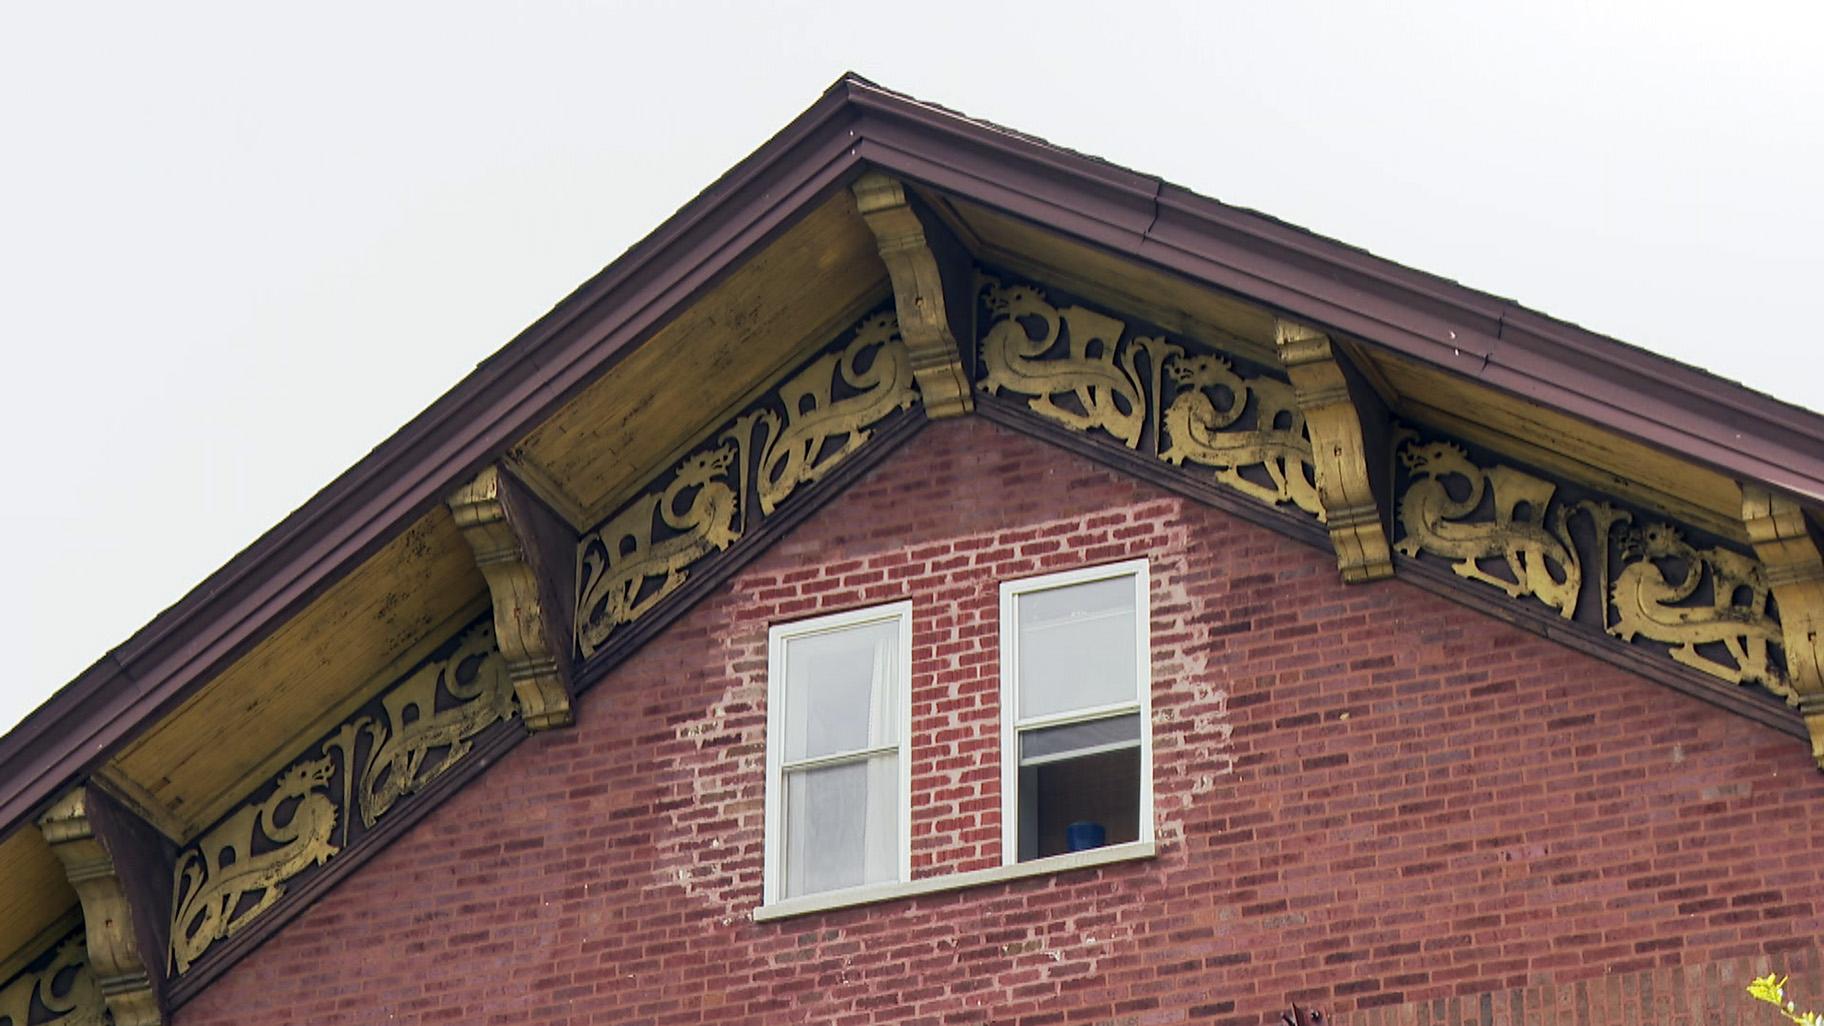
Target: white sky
{"type": "Point", "coordinates": [242, 243]}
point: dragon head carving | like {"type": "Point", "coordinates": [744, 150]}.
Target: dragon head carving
{"type": "Point", "coordinates": [1654, 541]}
{"type": "Point", "coordinates": [307, 776]}
{"type": "Point", "coordinates": [706, 466]}
{"type": "Point", "coordinates": [1436, 459]}
{"type": "Point", "coordinates": [1013, 300]}
{"type": "Point", "coordinates": [1202, 371]}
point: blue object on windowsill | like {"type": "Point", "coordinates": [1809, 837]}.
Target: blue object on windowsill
{"type": "Point", "coordinates": [1085, 834]}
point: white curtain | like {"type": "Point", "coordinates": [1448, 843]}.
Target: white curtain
{"type": "Point", "coordinates": [842, 819]}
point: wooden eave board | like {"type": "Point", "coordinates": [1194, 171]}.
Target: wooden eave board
{"type": "Point", "coordinates": [36, 893]}
{"type": "Point", "coordinates": [243, 726]}
{"type": "Point", "coordinates": [1565, 445]}
{"type": "Point", "coordinates": [627, 424]}
{"type": "Point", "coordinates": [1582, 452]}
{"type": "Point", "coordinates": [1164, 299]}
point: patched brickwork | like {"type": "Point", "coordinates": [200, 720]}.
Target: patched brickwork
{"type": "Point", "coordinates": [1366, 797]}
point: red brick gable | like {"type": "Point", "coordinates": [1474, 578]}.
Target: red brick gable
{"type": "Point", "coordinates": [1365, 797]}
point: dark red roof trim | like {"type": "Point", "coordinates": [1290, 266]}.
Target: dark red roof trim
{"type": "Point", "coordinates": [1655, 400]}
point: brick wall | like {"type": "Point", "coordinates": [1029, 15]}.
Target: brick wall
{"type": "Point", "coordinates": [1366, 798]}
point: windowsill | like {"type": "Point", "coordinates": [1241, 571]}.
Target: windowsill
{"type": "Point", "coordinates": [872, 893]}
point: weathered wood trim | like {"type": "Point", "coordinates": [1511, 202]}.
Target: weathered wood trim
{"type": "Point", "coordinates": [1357, 512]}
{"type": "Point", "coordinates": [120, 867]}
{"type": "Point", "coordinates": [494, 742]}
{"type": "Point", "coordinates": [1789, 547]}
{"type": "Point", "coordinates": [710, 574]}
{"type": "Point", "coordinates": [933, 286]}
{"type": "Point", "coordinates": [519, 545]}
{"type": "Point", "coordinates": [1012, 413]}
{"type": "Point", "coordinates": [1429, 576]}
{"type": "Point", "coordinates": [34, 949]}
{"type": "Point", "coordinates": [141, 802]}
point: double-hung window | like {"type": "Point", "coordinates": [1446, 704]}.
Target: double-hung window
{"type": "Point", "coordinates": [838, 794]}
{"type": "Point", "coordinates": [1076, 749]}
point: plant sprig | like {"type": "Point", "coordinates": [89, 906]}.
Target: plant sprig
{"type": "Point", "coordinates": [1772, 989]}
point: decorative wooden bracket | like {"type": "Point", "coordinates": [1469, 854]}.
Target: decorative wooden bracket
{"type": "Point", "coordinates": [1351, 485]}
{"type": "Point", "coordinates": [121, 870]}
{"type": "Point", "coordinates": [1789, 549]}
{"type": "Point", "coordinates": [933, 289]}
{"type": "Point", "coordinates": [524, 549]}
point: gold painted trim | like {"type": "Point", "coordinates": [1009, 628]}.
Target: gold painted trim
{"type": "Point", "coordinates": [119, 967]}
{"type": "Point", "coordinates": [925, 322]}
{"type": "Point", "coordinates": [283, 755]}
{"type": "Point", "coordinates": [35, 948]}
{"type": "Point", "coordinates": [78, 1003]}
{"type": "Point", "coordinates": [225, 879]}
{"type": "Point", "coordinates": [520, 618]}
{"type": "Point", "coordinates": [1339, 456]}
{"type": "Point", "coordinates": [806, 425]}
{"type": "Point", "coordinates": [1795, 571]}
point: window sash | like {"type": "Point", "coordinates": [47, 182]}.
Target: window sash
{"type": "Point", "coordinates": [1014, 726]}
{"type": "Point", "coordinates": [894, 756]}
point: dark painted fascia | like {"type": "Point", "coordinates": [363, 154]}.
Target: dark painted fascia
{"type": "Point", "coordinates": [502, 399]}
{"type": "Point", "coordinates": [1657, 401]}
{"type": "Point", "coordinates": [1647, 397]}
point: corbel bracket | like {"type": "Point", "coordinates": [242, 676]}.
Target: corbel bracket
{"type": "Point", "coordinates": [1789, 549]}
{"type": "Point", "coordinates": [517, 541]}
{"type": "Point", "coordinates": [120, 868]}
{"type": "Point", "coordinates": [933, 282]}
{"type": "Point", "coordinates": [1340, 453]}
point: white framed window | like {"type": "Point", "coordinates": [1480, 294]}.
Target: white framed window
{"type": "Point", "coordinates": [838, 757]}
{"type": "Point", "coordinates": [1076, 711]}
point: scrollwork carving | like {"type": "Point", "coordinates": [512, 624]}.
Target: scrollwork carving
{"type": "Point", "coordinates": [215, 876]}
{"type": "Point", "coordinates": [1711, 606]}
{"type": "Point", "coordinates": [1212, 397]}
{"type": "Point", "coordinates": [64, 987]}
{"type": "Point", "coordinates": [1099, 377]}
{"type": "Point", "coordinates": [809, 423]}
{"type": "Point", "coordinates": [874, 367]}
{"type": "Point", "coordinates": [1664, 572]}
{"type": "Point", "coordinates": [423, 726]}
{"type": "Point", "coordinates": [476, 678]}
{"type": "Point", "coordinates": [617, 563]}
{"type": "Point", "coordinates": [1541, 562]}
{"type": "Point", "coordinates": [1088, 372]}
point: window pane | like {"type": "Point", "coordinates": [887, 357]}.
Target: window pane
{"type": "Point", "coordinates": [1094, 791]}
{"type": "Point", "coordinates": [841, 691]}
{"type": "Point", "coordinates": [1079, 737]}
{"type": "Point", "coordinates": [841, 825]}
{"type": "Point", "coordinates": [1076, 647]}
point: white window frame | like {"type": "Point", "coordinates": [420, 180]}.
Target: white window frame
{"type": "Point", "coordinates": [1012, 725]}
{"type": "Point", "coordinates": [899, 613]}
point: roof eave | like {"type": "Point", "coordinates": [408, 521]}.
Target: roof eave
{"type": "Point", "coordinates": [1297, 273]}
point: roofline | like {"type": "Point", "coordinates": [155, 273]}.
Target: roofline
{"type": "Point", "coordinates": [1488, 339]}
{"type": "Point", "coordinates": [1469, 333]}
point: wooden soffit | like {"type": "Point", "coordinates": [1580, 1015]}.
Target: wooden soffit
{"type": "Point", "coordinates": [193, 765]}
{"type": "Point", "coordinates": [36, 895]}
{"type": "Point", "coordinates": [815, 277]}
{"type": "Point", "coordinates": [1414, 392]}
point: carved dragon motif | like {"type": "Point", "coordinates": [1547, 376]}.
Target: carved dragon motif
{"type": "Point", "coordinates": [794, 450]}
{"type": "Point", "coordinates": [616, 561]}
{"type": "Point", "coordinates": [1647, 604]}
{"type": "Point", "coordinates": [1104, 381]}
{"type": "Point", "coordinates": [77, 1003]}
{"type": "Point", "coordinates": [1543, 563]}
{"type": "Point", "coordinates": [1277, 442]}
{"type": "Point", "coordinates": [215, 876]}
{"type": "Point", "coordinates": [475, 675]}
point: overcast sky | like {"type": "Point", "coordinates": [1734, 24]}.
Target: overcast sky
{"type": "Point", "coordinates": [242, 243]}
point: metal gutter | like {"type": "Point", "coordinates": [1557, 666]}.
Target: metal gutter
{"type": "Point", "coordinates": [1654, 400]}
